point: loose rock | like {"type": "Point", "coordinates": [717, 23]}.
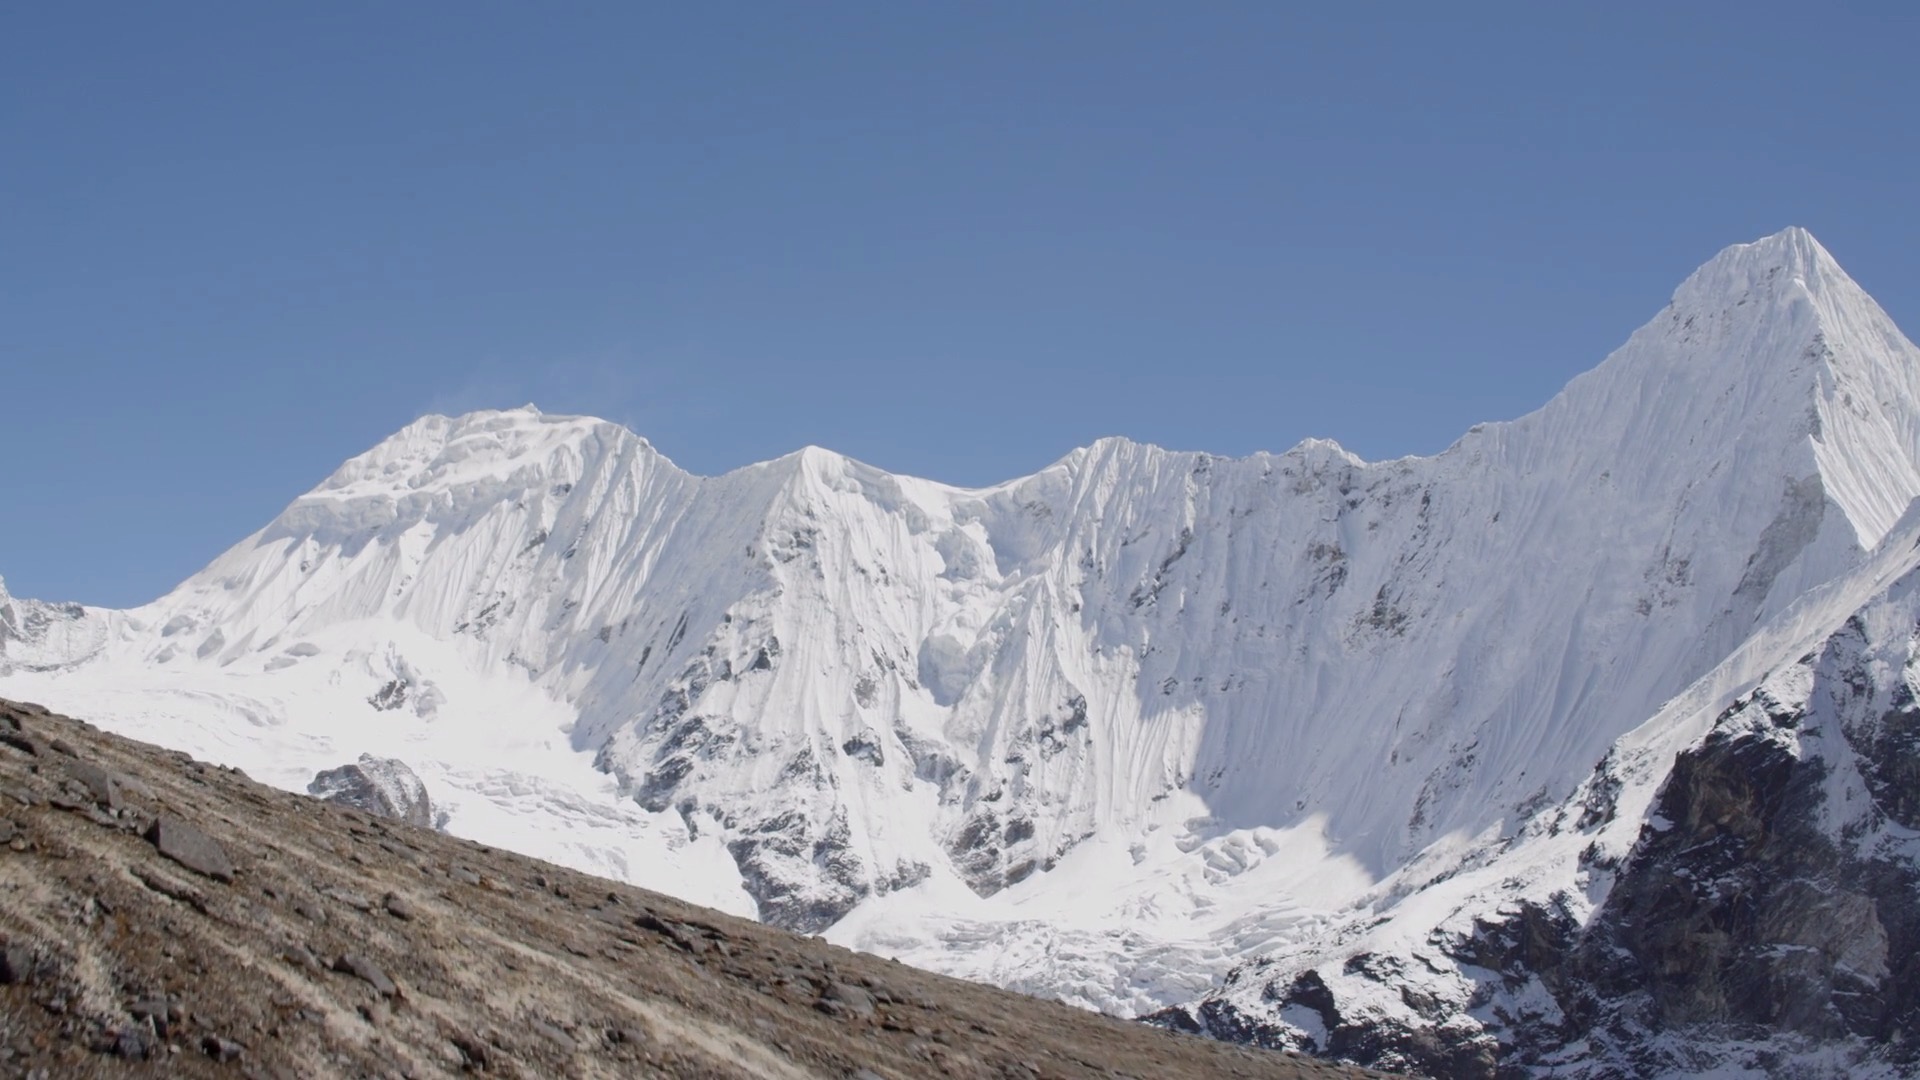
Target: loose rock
{"type": "Point", "coordinates": [352, 899]}
{"type": "Point", "coordinates": [154, 1010]}
{"type": "Point", "coordinates": [474, 1050]}
{"type": "Point", "coordinates": [398, 907]}
{"type": "Point", "coordinates": [556, 1036]}
{"type": "Point", "coordinates": [24, 743]}
{"type": "Point", "coordinates": [362, 968]}
{"type": "Point", "coordinates": [299, 957]}
{"type": "Point", "coordinates": [190, 847]}
{"type": "Point", "coordinates": [16, 965]}
{"type": "Point", "coordinates": [851, 1000]}
{"type": "Point", "coordinates": [103, 785]}
{"type": "Point", "coordinates": [133, 1044]}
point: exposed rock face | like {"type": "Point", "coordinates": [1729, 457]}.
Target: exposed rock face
{"type": "Point", "coordinates": [1767, 918]}
{"type": "Point", "coordinates": [1774, 894]}
{"type": "Point", "coordinates": [38, 636]}
{"type": "Point", "coordinates": [382, 786]}
{"type": "Point", "coordinates": [774, 865]}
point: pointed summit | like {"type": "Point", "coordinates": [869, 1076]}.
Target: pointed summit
{"type": "Point", "coordinates": [1793, 247]}
{"type": "Point", "coordinates": [1801, 348]}
{"type": "Point", "coordinates": [1770, 361]}
{"type": "Point", "coordinates": [1786, 265]}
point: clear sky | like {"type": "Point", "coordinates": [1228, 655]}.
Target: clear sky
{"type": "Point", "coordinates": [240, 243]}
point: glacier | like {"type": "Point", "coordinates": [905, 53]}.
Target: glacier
{"type": "Point", "coordinates": [1122, 732]}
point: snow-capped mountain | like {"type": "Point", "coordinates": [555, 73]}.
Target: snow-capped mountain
{"type": "Point", "coordinates": [1734, 891]}
{"type": "Point", "coordinates": [1141, 729]}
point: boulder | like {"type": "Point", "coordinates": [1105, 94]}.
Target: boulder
{"type": "Point", "coordinates": [190, 847]}
{"type": "Point", "coordinates": [16, 964]}
{"type": "Point", "coordinates": [367, 971]}
{"type": "Point", "coordinates": [102, 785]}
{"type": "Point", "coordinates": [384, 787]}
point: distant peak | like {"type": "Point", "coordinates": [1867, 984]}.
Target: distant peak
{"type": "Point", "coordinates": [528, 412]}
{"type": "Point", "coordinates": [1108, 444]}
{"type": "Point", "coordinates": [810, 457]}
{"type": "Point", "coordinates": [1768, 267]}
{"type": "Point", "coordinates": [1315, 448]}
{"type": "Point", "coordinates": [1792, 248]}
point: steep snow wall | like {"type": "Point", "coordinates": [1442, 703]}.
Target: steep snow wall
{"type": "Point", "coordinates": [1099, 732]}
{"type": "Point", "coordinates": [1732, 891]}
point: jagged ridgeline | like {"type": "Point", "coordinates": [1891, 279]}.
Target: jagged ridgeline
{"type": "Point", "coordinates": [1295, 748]}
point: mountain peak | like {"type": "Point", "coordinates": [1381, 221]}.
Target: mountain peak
{"type": "Point", "coordinates": [1779, 330]}
{"type": "Point", "coordinates": [440, 451]}
{"type": "Point", "coordinates": [1788, 265]}
{"type": "Point", "coordinates": [1792, 247]}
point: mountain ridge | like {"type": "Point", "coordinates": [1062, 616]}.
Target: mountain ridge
{"type": "Point", "coordinates": [1144, 713]}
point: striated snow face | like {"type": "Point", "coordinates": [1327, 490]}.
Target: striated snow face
{"type": "Point", "coordinates": [1735, 891]}
{"type": "Point", "coordinates": [1101, 732]}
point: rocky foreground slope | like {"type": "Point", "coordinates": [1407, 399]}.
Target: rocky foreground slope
{"type": "Point", "coordinates": [156, 910]}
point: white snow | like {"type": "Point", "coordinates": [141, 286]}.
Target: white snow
{"type": "Point", "coordinates": [1104, 732]}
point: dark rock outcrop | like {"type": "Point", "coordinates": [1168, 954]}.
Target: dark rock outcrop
{"type": "Point", "coordinates": [385, 787]}
{"type": "Point", "coordinates": [1742, 915]}
{"type": "Point", "coordinates": [1766, 920]}
{"type": "Point", "coordinates": [772, 860]}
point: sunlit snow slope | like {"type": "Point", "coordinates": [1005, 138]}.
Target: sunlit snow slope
{"type": "Point", "coordinates": [1101, 732]}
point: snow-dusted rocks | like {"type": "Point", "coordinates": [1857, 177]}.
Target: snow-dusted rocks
{"type": "Point", "coordinates": [1734, 891]}
{"type": "Point", "coordinates": [1108, 732]}
{"type": "Point", "coordinates": [37, 636]}
{"type": "Point", "coordinates": [384, 787]}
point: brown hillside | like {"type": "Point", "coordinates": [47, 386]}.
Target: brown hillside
{"type": "Point", "coordinates": [158, 913]}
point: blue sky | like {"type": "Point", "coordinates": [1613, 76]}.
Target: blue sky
{"type": "Point", "coordinates": [240, 243]}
